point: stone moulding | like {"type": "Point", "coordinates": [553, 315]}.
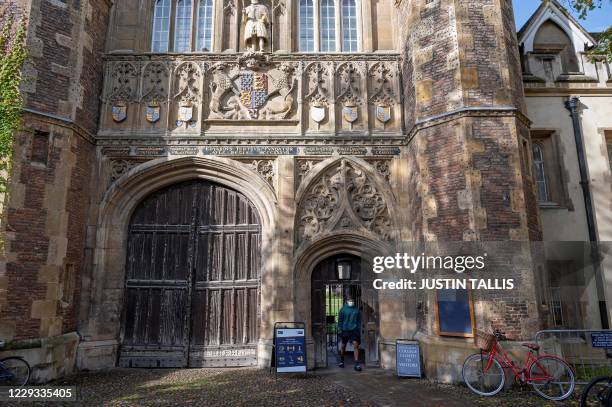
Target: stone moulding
{"type": "Point", "coordinates": [341, 194]}
{"type": "Point", "coordinates": [211, 93]}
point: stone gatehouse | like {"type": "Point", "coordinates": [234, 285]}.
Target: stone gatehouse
{"type": "Point", "coordinates": [192, 172]}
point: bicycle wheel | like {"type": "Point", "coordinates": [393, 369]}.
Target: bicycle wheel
{"type": "Point", "coordinates": [484, 383]}
{"type": "Point", "coordinates": [598, 393]}
{"type": "Point", "coordinates": [14, 371]}
{"type": "Point", "coordinates": [552, 378]}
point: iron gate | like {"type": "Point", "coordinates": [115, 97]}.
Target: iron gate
{"type": "Point", "coordinates": [329, 293]}
{"type": "Point", "coordinates": [192, 279]}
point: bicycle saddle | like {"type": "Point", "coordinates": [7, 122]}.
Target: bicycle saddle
{"type": "Point", "coordinates": [532, 346]}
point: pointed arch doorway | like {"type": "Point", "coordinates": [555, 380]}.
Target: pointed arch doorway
{"type": "Point", "coordinates": [192, 284]}
{"type": "Point", "coordinates": [333, 280]}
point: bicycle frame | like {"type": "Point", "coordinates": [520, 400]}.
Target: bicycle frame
{"type": "Point", "coordinates": [506, 362]}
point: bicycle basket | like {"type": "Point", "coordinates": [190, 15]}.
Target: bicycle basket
{"type": "Point", "coordinates": [484, 340]}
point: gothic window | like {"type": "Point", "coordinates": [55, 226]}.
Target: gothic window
{"type": "Point", "coordinates": [328, 26]}
{"type": "Point", "coordinates": [349, 26]}
{"type": "Point", "coordinates": [182, 37]}
{"type": "Point", "coordinates": [205, 20]}
{"type": "Point", "coordinates": [182, 26]}
{"type": "Point", "coordinates": [539, 172]}
{"type": "Point", "coordinates": [161, 26]}
{"type": "Point", "coordinates": [306, 26]}
{"type": "Point", "coordinates": [335, 28]}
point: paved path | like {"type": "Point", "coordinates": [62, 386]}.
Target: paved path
{"type": "Point", "coordinates": [383, 388]}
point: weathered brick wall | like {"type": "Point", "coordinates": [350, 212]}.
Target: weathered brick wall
{"type": "Point", "coordinates": [45, 231]}
{"type": "Point", "coordinates": [464, 104]}
{"type": "Point", "coordinates": [54, 159]}
{"type": "Point", "coordinates": [66, 42]}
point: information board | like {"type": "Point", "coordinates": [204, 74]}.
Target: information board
{"type": "Point", "coordinates": [408, 358]}
{"type": "Point", "coordinates": [602, 339]}
{"type": "Point", "coordinates": [454, 313]}
{"type": "Point", "coordinates": [290, 348]}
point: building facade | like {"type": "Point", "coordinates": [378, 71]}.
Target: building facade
{"type": "Point", "coordinates": [192, 172]}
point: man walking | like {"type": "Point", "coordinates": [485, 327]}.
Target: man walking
{"type": "Point", "coordinates": [349, 328]}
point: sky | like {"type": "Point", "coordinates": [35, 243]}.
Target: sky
{"type": "Point", "coordinates": [597, 21]}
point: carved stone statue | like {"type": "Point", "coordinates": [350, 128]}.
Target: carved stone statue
{"type": "Point", "coordinates": [257, 21]}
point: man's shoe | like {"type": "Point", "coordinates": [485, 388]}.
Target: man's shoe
{"type": "Point", "coordinates": [358, 367]}
{"type": "Point", "coordinates": [341, 364]}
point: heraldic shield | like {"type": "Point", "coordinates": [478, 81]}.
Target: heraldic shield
{"type": "Point", "coordinates": [253, 91]}
{"type": "Point", "coordinates": [383, 113]}
{"type": "Point", "coordinates": [318, 113]}
{"type": "Point", "coordinates": [350, 113]}
{"type": "Point", "coordinates": [152, 113]}
{"type": "Point", "coordinates": [119, 112]}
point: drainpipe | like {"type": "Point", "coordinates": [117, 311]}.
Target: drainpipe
{"type": "Point", "coordinates": [572, 104]}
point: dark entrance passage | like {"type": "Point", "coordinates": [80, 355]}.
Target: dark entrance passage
{"type": "Point", "coordinates": [192, 279]}
{"type": "Point", "coordinates": [330, 289]}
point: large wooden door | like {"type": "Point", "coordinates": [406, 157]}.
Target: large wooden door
{"type": "Point", "coordinates": [192, 279]}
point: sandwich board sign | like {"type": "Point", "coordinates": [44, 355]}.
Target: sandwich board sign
{"type": "Point", "coordinates": [408, 358]}
{"type": "Point", "coordinates": [290, 349]}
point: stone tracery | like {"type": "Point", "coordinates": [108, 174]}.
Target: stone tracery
{"type": "Point", "coordinates": [344, 195]}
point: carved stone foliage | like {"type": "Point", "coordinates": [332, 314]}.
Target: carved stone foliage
{"type": "Point", "coordinates": [124, 83]}
{"type": "Point", "coordinates": [187, 81]}
{"type": "Point", "coordinates": [259, 92]}
{"type": "Point", "coordinates": [155, 83]}
{"type": "Point", "coordinates": [349, 84]}
{"type": "Point", "coordinates": [383, 168]}
{"type": "Point", "coordinates": [266, 169]}
{"type": "Point", "coordinates": [382, 86]}
{"type": "Point", "coordinates": [318, 84]}
{"type": "Point", "coordinates": [302, 168]}
{"type": "Point", "coordinates": [344, 196]}
{"type": "Point", "coordinates": [120, 167]}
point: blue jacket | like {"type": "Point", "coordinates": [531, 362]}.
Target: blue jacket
{"type": "Point", "coordinates": [349, 319]}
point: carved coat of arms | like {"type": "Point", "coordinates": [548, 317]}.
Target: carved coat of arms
{"type": "Point", "coordinates": [350, 113]}
{"type": "Point", "coordinates": [152, 112]}
{"type": "Point", "coordinates": [318, 113]}
{"type": "Point", "coordinates": [251, 94]}
{"type": "Point", "coordinates": [383, 113]}
{"type": "Point", "coordinates": [254, 91]}
{"type": "Point", "coordinates": [119, 112]}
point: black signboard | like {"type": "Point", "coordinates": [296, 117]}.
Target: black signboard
{"type": "Point", "coordinates": [290, 349]}
{"type": "Point", "coordinates": [408, 358]}
{"type": "Point", "coordinates": [602, 339]}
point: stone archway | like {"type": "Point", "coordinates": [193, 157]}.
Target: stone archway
{"type": "Point", "coordinates": [101, 328]}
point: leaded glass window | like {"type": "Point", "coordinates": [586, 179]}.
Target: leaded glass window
{"type": "Point", "coordinates": [328, 26]}
{"type": "Point", "coordinates": [182, 26]}
{"type": "Point", "coordinates": [539, 172]}
{"type": "Point", "coordinates": [161, 26]}
{"type": "Point", "coordinates": [205, 22]}
{"type": "Point", "coordinates": [349, 26]}
{"type": "Point", "coordinates": [306, 28]}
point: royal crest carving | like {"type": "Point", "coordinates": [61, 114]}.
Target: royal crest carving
{"type": "Point", "coordinates": [247, 94]}
{"type": "Point", "coordinates": [343, 195]}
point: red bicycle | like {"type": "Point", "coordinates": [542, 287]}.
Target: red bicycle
{"type": "Point", "coordinates": [550, 376]}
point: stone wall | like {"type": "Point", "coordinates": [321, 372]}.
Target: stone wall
{"type": "Point", "coordinates": [47, 209]}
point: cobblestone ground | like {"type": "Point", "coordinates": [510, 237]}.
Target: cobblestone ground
{"type": "Point", "coordinates": [252, 387]}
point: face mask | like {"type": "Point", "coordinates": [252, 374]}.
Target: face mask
{"type": "Point", "coordinates": [350, 303]}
